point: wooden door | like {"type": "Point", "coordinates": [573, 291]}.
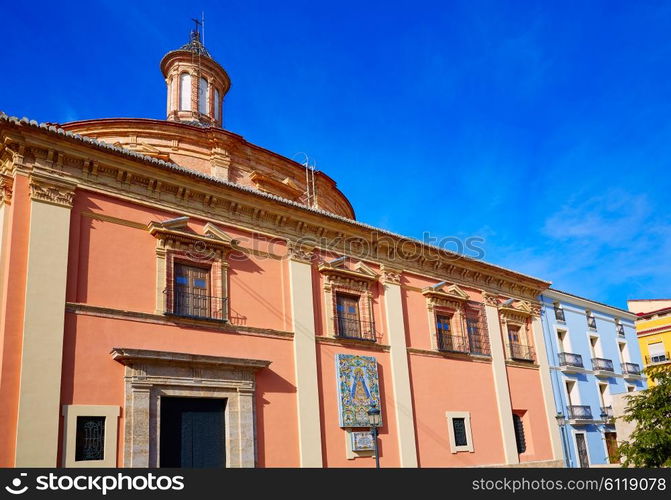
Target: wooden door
{"type": "Point", "coordinates": [347, 308]}
{"type": "Point", "coordinates": [193, 432]}
{"type": "Point", "coordinates": [582, 450]}
{"type": "Point", "coordinates": [611, 446]}
{"type": "Point", "coordinates": [191, 291]}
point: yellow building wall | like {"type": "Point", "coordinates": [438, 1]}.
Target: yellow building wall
{"type": "Point", "coordinates": [645, 339]}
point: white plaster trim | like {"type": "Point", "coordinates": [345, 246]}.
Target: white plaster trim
{"type": "Point", "coordinates": [70, 414]}
{"type": "Point", "coordinates": [450, 415]}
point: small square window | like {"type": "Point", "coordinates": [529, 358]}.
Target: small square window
{"type": "Point", "coordinates": [90, 440]}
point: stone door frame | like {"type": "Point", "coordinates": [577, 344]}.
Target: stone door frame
{"type": "Point", "coordinates": [150, 375]}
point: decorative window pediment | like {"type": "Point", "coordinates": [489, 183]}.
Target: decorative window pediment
{"type": "Point", "coordinates": [517, 312]}
{"type": "Point", "coordinates": [177, 231]}
{"type": "Point", "coordinates": [359, 271]}
{"type": "Point", "coordinates": [444, 295]}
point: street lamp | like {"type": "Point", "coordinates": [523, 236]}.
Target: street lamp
{"type": "Point", "coordinates": [561, 422]}
{"type": "Point", "coordinates": [374, 421]}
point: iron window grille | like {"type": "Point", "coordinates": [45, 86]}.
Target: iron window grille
{"type": "Point", "coordinates": [559, 313]}
{"type": "Point", "coordinates": [521, 352]}
{"type": "Point", "coordinates": [602, 364]}
{"type": "Point", "coordinates": [580, 412]}
{"type": "Point", "coordinates": [570, 359]}
{"type": "Point", "coordinates": [631, 368]}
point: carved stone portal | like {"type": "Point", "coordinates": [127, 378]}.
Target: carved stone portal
{"type": "Point", "coordinates": [151, 375]}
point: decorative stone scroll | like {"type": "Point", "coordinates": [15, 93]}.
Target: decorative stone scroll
{"type": "Point", "coordinates": [6, 189]}
{"type": "Point", "coordinates": [53, 191]}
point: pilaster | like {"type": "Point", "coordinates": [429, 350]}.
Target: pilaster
{"type": "Point", "coordinates": [43, 326]}
{"type": "Point", "coordinates": [400, 373]}
{"type": "Point", "coordinates": [501, 386]}
{"type": "Point", "coordinates": [305, 357]}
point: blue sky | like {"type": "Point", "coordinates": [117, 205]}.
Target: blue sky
{"type": "Point", "coordinates": [543, 127]}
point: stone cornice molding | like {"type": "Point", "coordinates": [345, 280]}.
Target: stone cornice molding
{"type": "Point", "coordinates": [132, 357]}
{"type": "Point", "coordinates": [151, 181]}
{"type": "Point", "coordinates": [51, 190]}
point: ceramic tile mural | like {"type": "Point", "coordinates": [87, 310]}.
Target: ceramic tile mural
{"type": "Point", "coordinates": [358, 388]}
{"type": "Point", "coordinates": [362, 441]}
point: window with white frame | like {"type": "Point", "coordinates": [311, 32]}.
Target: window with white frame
{"type": "Point", "coordinates": [459, 428]}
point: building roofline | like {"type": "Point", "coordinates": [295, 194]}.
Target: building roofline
{"type": "Point", "coordinates": [198, 128]}
{"type": "Point", "coordinates": [642, 315]}
{"type": "Point", "coordinates": [53, 130]}
{"type": "Point", "coordinates": [646, 300]}
{"type": "Point", "coordinates": [558, 294]}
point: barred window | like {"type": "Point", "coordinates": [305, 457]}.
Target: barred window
{"type": "Point", "coordinates": [90, 440]}
{"type": "Point", "coordinates": [459, 427]}
{"type": "Point", "coordinates": [519, 433]}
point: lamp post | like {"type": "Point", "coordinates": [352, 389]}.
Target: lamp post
{"type": "Point", "coordinates": [374, 422]}
{"type": "Point", "coordinates": [561, 422]}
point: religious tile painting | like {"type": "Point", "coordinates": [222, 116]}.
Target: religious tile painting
{"type": "Point", "coordinates": [358, 388]}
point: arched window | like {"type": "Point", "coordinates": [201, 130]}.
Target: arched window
{"type": "Point", "coordinates": [202, 97]}
{"type": "Point", "coordinates": [185, 92]}
{"type": "Point", "coordinates": [217, 104]}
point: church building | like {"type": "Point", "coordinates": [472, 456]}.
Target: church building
{"type": "Point", "coordinates": [174, 296]}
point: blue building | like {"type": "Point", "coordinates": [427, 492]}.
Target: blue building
{"type": "Point", "coordinates": [593, 355]}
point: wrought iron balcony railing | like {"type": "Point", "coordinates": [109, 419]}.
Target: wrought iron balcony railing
{"type": "Point", "coordinates": [559, 314]}
{"type": "Point", "coordinates": [186, 304]}
{"type": "Point", "coordinates": [452, 343]}
{"type": "Point", "coordinates": [607, 413]}
{"type": "Point", "coordinates": [631, 369]}
{"type": "Point", "coordinates": [353, 328]}
{"type": "Point", "coordinates": [521, 352]}
{"type": "Point", "coordinates": [570, 359]}
{"type": "Point", "coordinates": [657, 359]}
{"type": "Point", "coordinates": [602, 364]}
{"type": "Point", "coordinates": [579, 412]}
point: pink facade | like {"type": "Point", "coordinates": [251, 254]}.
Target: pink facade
{"type": "Point", "coordinates": [450, 377]}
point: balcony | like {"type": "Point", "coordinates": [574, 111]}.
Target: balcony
{"type": "Point", "coordinates": [658, 359]}
{"type": "Point", "coordinates": [631, 370]}
{"type": "Point", "coordinates": [591, 322]}
{"type": "Point", "coordinates": [354, 328]}
{"type": "Point", "coordinates": [521, 352]}
{"type": "Point", "coordinates": [559, 314]}
{"type": "Point", "coordinates": [570, 363]}
{"type": "Point", "coordinates": [452, 343]}
{"type": "Point", "coordinates": [607, 413]}
{"type": "Point", "coordinates": [603, 367]}
{"type": "Point", "coordinates": [580, 414]}
{"type": "Point", "coordinates": [186, 304]}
